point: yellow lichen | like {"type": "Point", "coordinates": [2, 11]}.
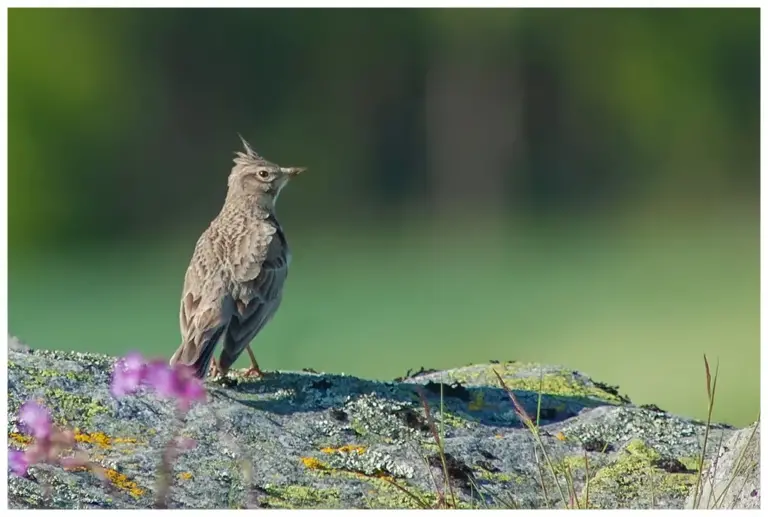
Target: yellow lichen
{"type": "Point", "coordinates": [117, 479]}
{"type": "Point", "coordinates": [100, 439]}
{"type": "Point", "coordinates": [344, 449]}
{"type": "Point", "coordinates": [121, 481]}
{"type": "Point", "coordinates": [313, 463]}
{"type": "Point", "coordinates": [185, 475]}
{"type": "Point", "coordinates": [20, 438]}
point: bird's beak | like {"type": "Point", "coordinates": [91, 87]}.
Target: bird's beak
{"type": "Point", "coordinates": [293, 171]}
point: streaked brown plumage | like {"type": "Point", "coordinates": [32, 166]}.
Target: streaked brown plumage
{"type": "Point", "coordinates": [234, 282]}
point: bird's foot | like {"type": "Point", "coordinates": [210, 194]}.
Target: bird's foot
{"type": "Point", "coordinates": [213, 370]}
{"type": "Point", "coordinates": [220, 376]}
{"type": "Point", "coordinates": [253, 371]}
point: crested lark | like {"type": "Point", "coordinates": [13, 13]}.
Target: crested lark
{"type": "Point", "coordinates": [234, 282]}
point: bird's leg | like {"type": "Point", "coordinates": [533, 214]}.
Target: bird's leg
{"type": "Point", "coordinates": [213, 371]}
{"type": "Point", "coordinates": [254, 370]}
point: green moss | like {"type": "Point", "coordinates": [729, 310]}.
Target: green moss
{"type": "Point", "coordinates": [502, 477]}
{"type": "Point", "coordinates": [633, 478]}
{"type": "Point", "coordinates": [381, 494]}
{"type": "Point", "coordinates": [297, 496]}
{"type": "Point", "coordinates": [559, 384]}
{"type": "Point", "coordinates": [692, 463]}
{"type": "Point", "coordinates": [450, 419]}
{"type": "Point", "coordinates": [522, 376]}
{"type": "Point", "coordinates": [358, 426]}
{"type": "Point", "coordinates": [570, 463]}
{"type": "Point", "coordinates": [73, 376]}
{"type": "Point", "coordinates": [638, 449]}
{"type": "Point", "coordinates": [69, 408]}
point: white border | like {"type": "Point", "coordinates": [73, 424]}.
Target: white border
{"type": "Point", "coordinates": [401, 3]}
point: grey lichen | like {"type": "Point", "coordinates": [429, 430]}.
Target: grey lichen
{"type": "Point", "coordinates": [371, 413]}
{"type": "Point", "coordinates": [668, 434]}
{"type": "Point", "coordinates": [370, 462]}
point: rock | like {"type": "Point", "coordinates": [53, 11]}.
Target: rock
{"type": "Point", "coordinates": [310, 440]}
{"type": "Point", "coordinates": [733, 480]}
{"type": "Point", "coordinates": [15, 343]}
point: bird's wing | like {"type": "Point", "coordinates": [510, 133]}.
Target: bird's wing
{"type": "Point", "coordinates": [206, 307]}
{"type": "Point", "coordinates": [255, 311]}
{"type": "Point", "coordinates": [250, 250]}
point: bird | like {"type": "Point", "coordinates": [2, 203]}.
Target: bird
{"type": "Point", "coordinates": [233, 285]}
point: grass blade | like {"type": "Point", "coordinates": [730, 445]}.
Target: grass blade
{"type": "Point", "coordinates": [538, 403]}
{"type": "Point", "coordinates": [709, 379]}
{"type": "Point", "coordinates": [520, 410]}
{"type": "Point", "coordinates": [586, 482]}
{"type": "Point", "coordinates": [440, 445]}
{"type": "Point", "coordinates": [711, 389]}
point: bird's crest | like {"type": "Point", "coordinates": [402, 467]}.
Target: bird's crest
{"type": "Point", "coordinates": [249, 157]}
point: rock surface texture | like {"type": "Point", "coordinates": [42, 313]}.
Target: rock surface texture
{"type": "Point", "coordinates": [733, 481]}
{"type": "Point", "coordinates": [309, 440]}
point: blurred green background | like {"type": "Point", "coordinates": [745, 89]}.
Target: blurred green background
{"type": "Point", "coordinates": [577, 187]}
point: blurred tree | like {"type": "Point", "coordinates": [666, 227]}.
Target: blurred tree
{"type": "Point", "coordinates": [474, 101]}
{"type": "Point", "coordinates": [123, 121]}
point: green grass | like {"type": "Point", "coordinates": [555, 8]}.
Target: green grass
{"type": "Point", "coordinates": [623, 304]}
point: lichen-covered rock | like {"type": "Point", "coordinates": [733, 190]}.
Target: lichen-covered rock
{"type": "Point", "coordinates": [733, 479]}
{"type": "Point", "coordinates": [309, 440]}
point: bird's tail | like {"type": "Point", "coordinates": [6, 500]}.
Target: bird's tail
{"type": "Point", "coordinates": [198, 356]}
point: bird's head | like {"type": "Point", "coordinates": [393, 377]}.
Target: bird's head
{"type": "Point", "coordinates": [258, 178]}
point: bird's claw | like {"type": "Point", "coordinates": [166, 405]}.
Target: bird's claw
{"type": "Point", "coordinates": [253, 371]}
{"type": "Point", "coordinates": [214, 371]}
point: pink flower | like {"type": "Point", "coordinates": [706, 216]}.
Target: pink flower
{"type": "Point", "coordinates": [161, 378]}
{"type": "Point", "coordinates": [128, 374]}
{"type": "Point", "coordinates": [35, 419]}
{"type": "Point", "coordinates": [17, 462]}
{"type": "Point", "coordinates": [189, 388]}
{"type": "Point", "coordinates": [177, 382]}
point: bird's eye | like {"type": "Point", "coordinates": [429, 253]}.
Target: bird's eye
{"type": "Point", "coordinates": [263, 174]}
